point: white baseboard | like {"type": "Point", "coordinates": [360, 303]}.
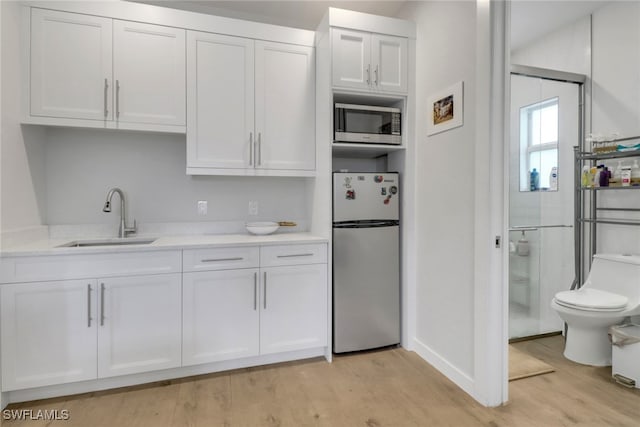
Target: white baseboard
{"type": "Point", "coordinates": [150, 377]}
{"type": "Point", "coordinates": [458, 377]}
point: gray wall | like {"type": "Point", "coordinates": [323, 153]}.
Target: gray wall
{"type": "Point", "coordinates": [82, 164]}
{"type": "Point", "coordinates": [445, 54]}
{"type": "Point", "coordinates": [21, 150]}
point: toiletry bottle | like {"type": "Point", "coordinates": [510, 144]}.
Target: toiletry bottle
{"type": "Point", "coordinates": [596, 177]}
{"type": "Point", "coordinates": [592, 176]}
{"type": "Point", "coordinates": [625, 176]}
{"type": "Point", "coordinates": [553, 179]}
{"type": "Point", "coordinates": [635, 173]}
{"type": "Point", "coordinates": [616, 179]}
{"type": "Point", "coordinates": [604, 177]}
{"type": "Point", "coordinates": [586, 176]}
{"type": "Point", "coordinates": [534, 180]}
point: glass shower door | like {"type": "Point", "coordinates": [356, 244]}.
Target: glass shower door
{"type": "Point", "coordinates": [544, 128]}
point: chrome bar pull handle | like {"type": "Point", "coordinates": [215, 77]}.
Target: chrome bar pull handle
{"type": "Point", "coordinates": [89, 305]}
{"type": "Point", "coordinates": [106, 89]}
{"type": "Point", "coordinates": [259, 148]}
{"type": "Point", "coordinates": [294, 255]}
{"type": "Point", "coordinates": [250, 148]}
{"type": "Point", "coordinates": [264, 284]}
{"type": "Point", "coordinates": [255, 291]}
{"type": "Point", "coordinates": [368, 74]}
{"type": "Point", "coordinates": [117, 98]}
{"type": "Point", "coordinates": [101, 304]}
{"type": "Point", "coordinates": [375, 73]}
{"type": "Point", "coordinates": [222, 259]}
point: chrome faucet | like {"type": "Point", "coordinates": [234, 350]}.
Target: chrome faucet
{"type": "Point", "coordinates": [124, 230]}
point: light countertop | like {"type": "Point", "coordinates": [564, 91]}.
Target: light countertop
{"type": "Point", "coordinates": [51, 246]}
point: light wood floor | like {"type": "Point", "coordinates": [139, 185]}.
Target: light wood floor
{"type": "Point", "coordinates": [384, 388]}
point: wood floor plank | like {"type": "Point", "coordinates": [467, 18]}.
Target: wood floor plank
{"type": "Point", "coordinates": [388, 388]}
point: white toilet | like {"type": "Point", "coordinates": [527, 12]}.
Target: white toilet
{"type": "Point", "coordinates": [609, 295]}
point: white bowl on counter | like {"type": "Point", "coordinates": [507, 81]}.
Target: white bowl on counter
{"type": "Point", "coordinates": [262, 228]}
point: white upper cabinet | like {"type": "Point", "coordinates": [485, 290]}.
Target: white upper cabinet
{"type": "Point", "coordinates": [101, 72]}
{"type": "Point", "coordinates": [389, 54]}
{"type": "Point", "coordinates": [149, 73]}
{"type": "Point", "coordinates": [285, 106]}
{"type": "Point", "coordinates": [351, 59]}
{"type": "Point", "coordinates": [251, 107]}
{"type": "Point", "coordinates": [220, 76]}
{"type": "Point", "coordinates": [371, 62]}
{"type": "Point", "coordinates": [71, 62]}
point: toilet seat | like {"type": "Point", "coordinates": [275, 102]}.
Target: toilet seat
{"type": "Point", "coordinates": [592, 300]}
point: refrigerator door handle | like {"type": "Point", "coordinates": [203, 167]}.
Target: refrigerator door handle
{"type": "Point", "coordinates": [366, 224]}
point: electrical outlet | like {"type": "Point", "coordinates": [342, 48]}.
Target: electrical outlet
{"type": "Point", "coordinates": [253, 207]}
{"type": "Point", "coordinates": [202, 207]}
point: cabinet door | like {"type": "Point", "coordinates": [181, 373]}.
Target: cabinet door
{"type": "Point", "coordinates": [149, 73]}
{"type": "Point", "coordinates": [139, 324]}
{"type": "Point", "coordinates": [389, 62]}
{"type": "Point", "coordinates": [351, 59]}
{"type": "Point", "coordinates": [220, 316]}
{"type": "Point", "coordinates": [220, 98]}
{"type": "Point", "coordinates": [70, 65]}
{"type": "Point", "coordinates": [48, 333]}
{"type": "Point", "coordinates": [294, 308]}
{"type": "Point", "coordinates": [285, 106]}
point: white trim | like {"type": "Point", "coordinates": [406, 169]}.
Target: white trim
{"type": "Point", "coordinates": [490, 308]}
{"type": "Point", "coordinates": [149, 377]}
{"type": "Point", "coordinates": [459, 378]}
{"type": "Point", "coordinates": [251, 172]}
{"type": "Point", "coordinates": [409, 241]}
{"type": "Point", "coordinates": [506, 159]}
{"type": "Point", "coordinates": [137, 12]}
{"type": "Point", "coordinates": [102, 124]}
{"type": "Point", "coordinates": [371, 23]}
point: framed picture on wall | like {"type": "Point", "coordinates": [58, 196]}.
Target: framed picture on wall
{"type": "Point", "coordinates": [444, 109]}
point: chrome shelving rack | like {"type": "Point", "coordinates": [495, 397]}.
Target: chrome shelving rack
{"type": "Point", "coordinates": [583, 204]}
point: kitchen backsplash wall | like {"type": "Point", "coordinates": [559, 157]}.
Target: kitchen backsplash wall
{"type": "Point", "coordinates": [83, 164]}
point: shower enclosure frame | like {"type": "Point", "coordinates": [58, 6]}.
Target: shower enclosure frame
{"type": "Point", "coordinates": [579, 199]}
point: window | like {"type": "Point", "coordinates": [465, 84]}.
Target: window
{"type": "Point", "coordinates": [538, 142]}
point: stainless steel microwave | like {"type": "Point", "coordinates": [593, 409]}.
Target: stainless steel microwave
{"type": "Point", "coordinates": [367, 124]}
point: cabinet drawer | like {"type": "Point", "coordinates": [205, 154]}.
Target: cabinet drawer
{"type": "Point", "coordinates": [220, 259]}
{"type": "Point", "coordinates": [293, 255]}
{"type": "Point", "coordinates": [60, 267]}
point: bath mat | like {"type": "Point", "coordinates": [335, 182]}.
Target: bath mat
{"type": "Point", "coordinates": [521, 365]}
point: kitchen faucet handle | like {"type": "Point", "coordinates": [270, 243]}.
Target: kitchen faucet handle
{"type": "Point", "coordinates": [132, 230]}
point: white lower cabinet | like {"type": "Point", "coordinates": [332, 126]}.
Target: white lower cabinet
{"type": "Point", "coordinates": [74, 330]}
{"type": "Point", "coordinates": [139, 324]}
{"type": "Point", "coordinates": [220, 315]}
{"type": "Point", "coordinates": [48, 333]}
{"type": "Point", "coordinates": [294, 308]}
{"type": "Point", "coordinates": [227, 303]}
{"type": "Point", "coordinates": [233, 313]}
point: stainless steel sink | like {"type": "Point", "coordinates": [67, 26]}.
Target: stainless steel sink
{"type": "Point", "coordinates": [106, 242]}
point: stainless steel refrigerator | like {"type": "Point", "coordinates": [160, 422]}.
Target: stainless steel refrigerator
{"type": "Point", "coordinates": [366, 261]}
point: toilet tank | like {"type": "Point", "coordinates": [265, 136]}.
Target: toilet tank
{"type": "Point", "coordinates": [616, 273]}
